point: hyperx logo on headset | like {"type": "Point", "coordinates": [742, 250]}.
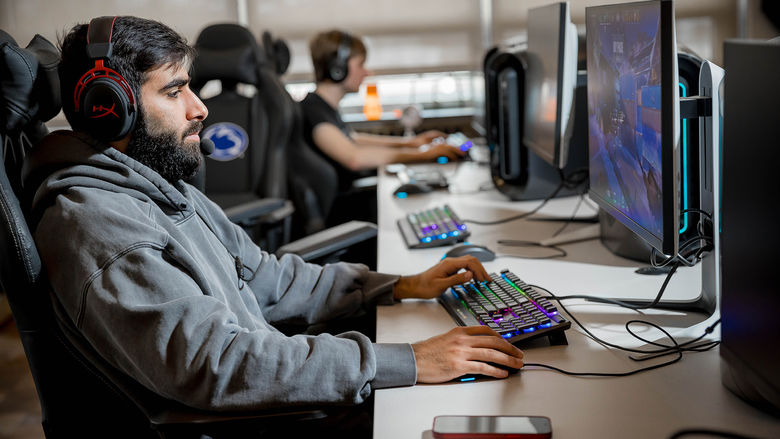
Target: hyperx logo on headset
{"type": "Point", "coordinates": [102, 91]}
{"type": "Point", "coordinates": [105, 111]}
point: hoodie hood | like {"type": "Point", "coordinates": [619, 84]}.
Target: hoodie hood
{"type": "Point", "coordinates": [66, 159]}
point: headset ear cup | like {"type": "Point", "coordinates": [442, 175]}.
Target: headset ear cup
{"type": "Point", "coordinates": [337, 70]}
{"type": "Point", "coordinates": [335, 73]}
{"type": "Point", "coordinates": [106, 111]}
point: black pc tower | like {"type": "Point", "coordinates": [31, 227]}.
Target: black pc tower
{"type": "Point", "coordinates": [532, 129]}
{"type": "Point", "coordinates": [750, 297]}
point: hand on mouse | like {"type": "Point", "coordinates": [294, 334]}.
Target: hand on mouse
{"type": "Point", "coordinates": [465, 350]}
{"type": "Point", "coordinates": [433, 152]}
{"type": "Point", "coordinates": [434, 281]}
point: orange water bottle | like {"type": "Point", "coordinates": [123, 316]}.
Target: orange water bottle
{"type": "Point", "coordinates": [372, 109]}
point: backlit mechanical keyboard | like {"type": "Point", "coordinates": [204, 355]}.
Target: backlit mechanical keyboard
{"type": "Point", "coordinates": [432, 228]}
{"type": "Point", "coordinates": [507, 305]}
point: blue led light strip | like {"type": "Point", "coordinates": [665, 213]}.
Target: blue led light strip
{"type": "Point", "coordinates": [684, 92]}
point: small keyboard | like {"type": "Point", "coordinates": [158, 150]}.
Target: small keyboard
{"type": "Point", "coordinates": [432, 177]}
{"type": "Point", "coordinates": [432, 228]}
{"type": "Point", "coordinates": [507, 305]}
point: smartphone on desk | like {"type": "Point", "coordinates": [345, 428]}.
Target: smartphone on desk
{"type": "Point", "coordinates": [492, 427]}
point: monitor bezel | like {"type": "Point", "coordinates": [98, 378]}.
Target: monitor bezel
{"type": "Point", "coordinates": [555, 158]}
{"type": "Point", "coordinates": [667, 243]}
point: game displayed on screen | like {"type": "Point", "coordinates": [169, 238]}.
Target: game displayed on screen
{"type": "Point", "coordinates": [624, 111]}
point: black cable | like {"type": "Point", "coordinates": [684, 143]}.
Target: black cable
{"type": "Point", "coordinates": [575, 179]}
{"type": "Point", "coordinates": [675, 348]}
{"type": "Point", "coordinates": [573, 215]}
{"type": "Point", "coordinates": [699, 211]}
{"type": "Point", "coordinates": [518, 216]}
{"type": "Point", "coordinates": [519, 243]}
{"type": "Point", "coordinates": [619, 302]}
{"type": "Point", "coordinates": [709, 432]}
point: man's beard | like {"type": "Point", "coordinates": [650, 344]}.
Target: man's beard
{"type": "Point", "coordinates": [164, 151]}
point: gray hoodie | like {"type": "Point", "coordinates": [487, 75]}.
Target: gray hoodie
{"type": "Point", "coordinates": [146, 270]}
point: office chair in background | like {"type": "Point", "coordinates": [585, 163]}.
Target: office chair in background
{"type": "Point", "coordinates": [230, 53]}
{"type": "Point", "coordinates": [312, 181]}
{"type": "Point", "coordinates": [241, 176]}
{"type": "Point", "coordinates": [81, 395]}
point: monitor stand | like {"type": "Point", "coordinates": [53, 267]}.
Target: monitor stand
{"type": "Point", "coordinates": [619, 240]}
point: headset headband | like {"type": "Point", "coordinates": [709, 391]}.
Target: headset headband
{"type": "Point", "coordinates": [100, 48]}
{"type": "Point", "coordinates": [345, 47]}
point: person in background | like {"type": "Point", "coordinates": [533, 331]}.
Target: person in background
{"type": "Point", "coordinates": [339, 68]}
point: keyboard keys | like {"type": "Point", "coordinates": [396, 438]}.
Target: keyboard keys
{"type": "Point", "coordinates": [433, 227]}
{"type": "Point", "coordinates": [509, 306]}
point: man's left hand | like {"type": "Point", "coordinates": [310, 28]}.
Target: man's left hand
{"type": "Point", "coordinates": [434, 281]}
{"type": "Point", "coordinates": [425, 138]}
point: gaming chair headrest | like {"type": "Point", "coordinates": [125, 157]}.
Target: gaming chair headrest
{"type": "Point", "coordinates": [277, 52]}
{"type": "Point", "coordinates": [30, 85]}
{"type": "Point", "coordinates": [227, 52]}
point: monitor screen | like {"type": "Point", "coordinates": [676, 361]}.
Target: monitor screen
{"type": "Point", "coordinates": [632, 107]}
{"type": "Point", "coordinates": [550, 82]}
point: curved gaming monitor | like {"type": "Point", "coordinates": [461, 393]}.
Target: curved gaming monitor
{"type": "Point", "coordinates": [633, 118]}
{"type": "Point", "coordinates": [550, 82]}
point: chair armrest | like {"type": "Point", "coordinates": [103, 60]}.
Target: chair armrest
{"type": "Point", "coordinates": [262, 210]}
{"type": "Point", "coordinates": [181, 420]}
{"type": "Point", "coordinates": [330, 240]}
{"type": "Point", "coordinates": [364, 184]}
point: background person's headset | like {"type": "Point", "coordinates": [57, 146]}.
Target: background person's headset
{"type": "Point", "coordinates": [103, 100]}
{"type": "Point", "coordinates": [338, 67]}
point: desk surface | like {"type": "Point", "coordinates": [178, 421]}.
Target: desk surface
{"type": "Point", "coordinates": [652, 404]}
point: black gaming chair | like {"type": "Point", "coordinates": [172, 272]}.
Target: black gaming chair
{"type": "Point", "coordinates": [242, 174]}
{"type": "Point", "coordinates": [230, 53]}
{"type": "Point", "coordinates": [80, 394]}
{"type": "Point", "coordinates": [312, 181]}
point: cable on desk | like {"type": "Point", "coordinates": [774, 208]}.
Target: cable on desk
{"type": "Point", "coordinates": [573, 214]}
{"type": "Point", "coordinates": [518, 216]}
{"type": "Point", "coordinates": [575, 179]}
{"type": "Point", "coordinates": [619, 302]}
{"type": "Point", "coordinates": [519, 243]}
{"type": "Point", "coordinates": [674, 348]}
{"type": "Point", "coordinates": [709, 432]}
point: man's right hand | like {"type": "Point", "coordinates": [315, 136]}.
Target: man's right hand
{"type": "Point", "coordinates": [433, 152]}
{"type": "Point", "coordinates": [464, 350]}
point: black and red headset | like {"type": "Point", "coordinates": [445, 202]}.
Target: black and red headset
{"type": "Point", "coordinates": [103, 99]}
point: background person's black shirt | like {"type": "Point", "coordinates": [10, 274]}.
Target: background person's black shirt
{"type": "Point", "coordinates": [317, 111]}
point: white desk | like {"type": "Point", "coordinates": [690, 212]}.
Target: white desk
{"type": "Point", "coordinates": [653, 404]}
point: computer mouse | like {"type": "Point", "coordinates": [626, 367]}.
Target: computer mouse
{"type": "Point", "coordinates": [476, 376]}
{"type": "Point", "coordinates": [411, 188]}
{"type": "Point", "coordinates": [482, 253]}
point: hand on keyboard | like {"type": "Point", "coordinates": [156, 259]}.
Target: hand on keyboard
{"type": "Point", "coordinates": [434, 281]}
{"type": "Point", "coordinates": [424, 137]}
{"type": "Point", "coordinates": [434, 151]}
{"type": "Point", "coordinates": [465, 350]}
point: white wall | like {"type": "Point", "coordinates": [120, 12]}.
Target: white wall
{"type": "Point", "coordinates": [402, 35]}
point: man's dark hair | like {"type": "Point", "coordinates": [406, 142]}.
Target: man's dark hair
{"type": "Point", "coordinates": [140, 45]}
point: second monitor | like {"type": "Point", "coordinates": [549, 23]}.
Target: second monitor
{"type": "Point", "coordinates": [535, 108]}
{"type": "Point", "coordinates": [550, 82]}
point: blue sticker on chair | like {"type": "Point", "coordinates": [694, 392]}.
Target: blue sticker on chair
{"type": "Point", "coordinates": [230, 140]}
